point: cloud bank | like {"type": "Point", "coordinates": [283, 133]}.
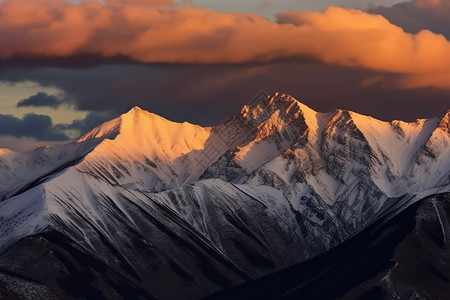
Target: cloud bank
{"type": "Point", "coordinates": [41, 99]}
{"type": "Point", "coordinates": [159, 32]}
{"type": "Point", "coordinates": [39, 127]}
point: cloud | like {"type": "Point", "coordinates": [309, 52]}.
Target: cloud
{"type": "Point", "coordinates": [39, 127]}
{"type": "Point", "coordinates": [41, 99]}
{"type": "Point", "coordinates": [159, 32]}
{"type": "Point", "coordinates": [205, 94]}
{"type": "Point", "coordinates": [413, 17]}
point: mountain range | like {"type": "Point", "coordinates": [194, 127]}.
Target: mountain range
{"type": "Point", "coordinates": [276, 201]}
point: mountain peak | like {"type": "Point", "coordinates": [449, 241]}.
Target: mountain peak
{"type": "Point", "coordinates": [135, 109]}
{"type": "Point", "coordinates": [279, 98]}
{"type": "Point", "coordinates": [444, 123]}
{"type": "Point", "coordinates": [280, 108]}
{"type": "Point", "coordinates": [276, 101]}
{"type": "Point", "coordinates": [282, 97]}
{"type": "Point", "coordinates": [126, 121]}
{"type": "Point", "coordinates": [139, 132]}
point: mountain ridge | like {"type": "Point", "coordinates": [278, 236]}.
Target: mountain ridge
{"type": "Point", "coordinates": [270, 186]}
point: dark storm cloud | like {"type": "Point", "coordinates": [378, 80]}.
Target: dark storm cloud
{"type": "Point", "coordinates": [206, 94]}
{"type": "Point", "coordinates": [41, 99]}
{"type": "Point", "coordinates": [416, 15]}
{"type": "Point", "coordinates": [39, 127]}
{"type": "Point", "coordinates": [92, 120]}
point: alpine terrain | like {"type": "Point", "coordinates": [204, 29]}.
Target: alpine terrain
{"type": "Point", "coordinates": [276, 201]}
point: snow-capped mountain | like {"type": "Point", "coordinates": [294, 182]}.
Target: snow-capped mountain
{"type": "Point", "coordinates": [145, 207]}
{"type": "Point", "coordinates": [337, 169]}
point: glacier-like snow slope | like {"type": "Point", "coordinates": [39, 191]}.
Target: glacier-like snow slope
{"type": "Point", "coordinates": [21, 171]}
{"type": "Point", "coordinates": [270, 186]}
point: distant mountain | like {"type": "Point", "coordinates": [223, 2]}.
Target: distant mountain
{"type": "Point", "coordinates": [142, 207]}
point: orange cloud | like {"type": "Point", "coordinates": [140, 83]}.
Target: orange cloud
{"type": "Point", "coordinates": [156, 31]}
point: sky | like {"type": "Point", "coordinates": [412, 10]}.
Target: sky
{"type": "Point", "coordinates": [67, 66]}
